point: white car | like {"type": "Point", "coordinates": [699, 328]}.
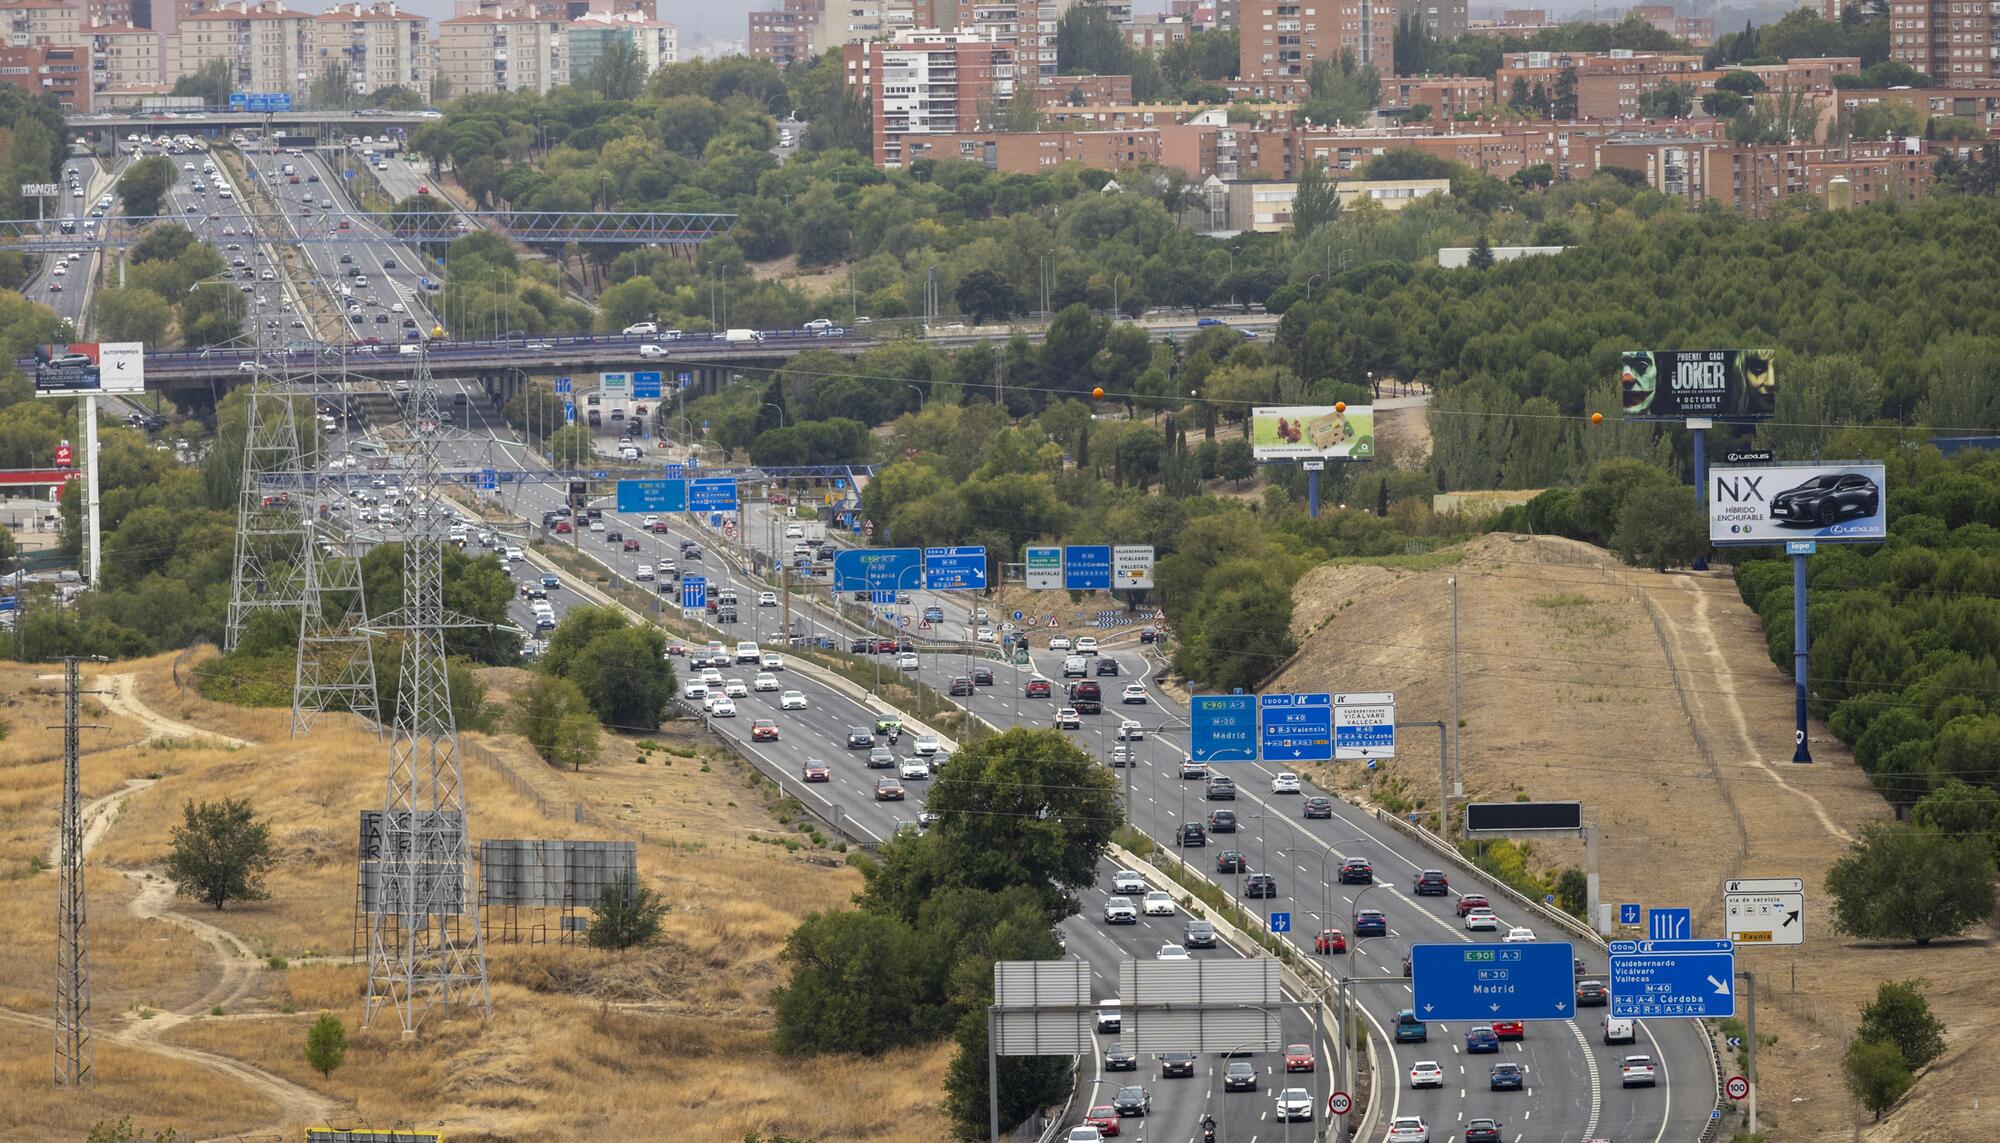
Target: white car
{"type": "Point", "coordinates": [711, 676]}
{"type": "Point", "coordinates": [767, 599]}
{"type": "Point", "coordinates": [1285, 783]}
{"type": "Point", "coordinates": [723, 708]}
{"type": "Point", "coordinates": [1127, 881]}
{"type": "Point", "coordinates": [1518, 936]}
{"type": "Point", "coordinates": [1134, 693]}
{"type": "Point", "coordinates": [1085, 645]}
{"type": "Point", "coordinates": [1119, 910]}
{"type": "Point", "coordinates": [1482, 920]}
{"type": "Point", "coordinates": [1295, 1104]}
{"type": "Point", "coordinates": [1130, 730]}
{"type": "Point", "coordinates": [772, 661]}
{"type": "Point", "coordinates": [642, 327]}
{"type": "Point", "coordinates": [792, 700]}
{"type": "Point", "coordinates": [914, 768]}
{"type": "Point", "coordinates": [1409, 1129]}
{"type": "Point", "coordinates": [515, 555]}
{"type": "Point", "coordinates": [645, 571]}
{"type": "Point", "coordinates": [926, 745]}
{"type": "Point", "coordinates": [649, 521]}
{"type": "Point", "coordinates": [986, 635]}
{"type": "Point", "coordinates": [1068, 719]}
{"type": "Point", "coordinates": [1084, 1134]}
{"type": "Point", "coordinates": [1636, 1071]}
{"type": "Point", "coordinates": [794, 532]}
{"type": "Point", "coordinates": [734, 688]}
{"type": "Point", "coordinates": [906, 662]}
{"type": "Point", "coordinates": [1426, 1073]}
{"type": "Point", "coordinates": [765, 682]}
{"type": "Point", "coordinates": [597, 526]}
{"type": "Point", "coordinates": [1172, 952]}
{"type": "Point", "coordinates": [1059, 643]}
{"type": "Point", "coordinates": [1160, 903]}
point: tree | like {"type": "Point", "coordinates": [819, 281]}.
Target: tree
{"type": "Point", "coordinates": [556, 719]}
{"type": "Point", "coordinates": [1876, 1075]}
{"type": "Point", "coordinates": [440, 89]}
{"type": "Point", "coordinates": [1482, 254]}
{"type": "Point", "coordinates": [626, 677]}
{"type": "Point", "coordinates": [132, 315]}
{"type": "Point", "coordinates": [1722, 104]}
{"type": "Point", "coordinates": [1235, 461]}
{"type": "Point", "coordinates": [326, 1044]}
{"type": "Point", "coordinates": [144, 185]}
{"type": "Point", "coordinates": [123, 1132]}
{"type": "Point", "coordinates": [1341, 91]}
{"type": "Point", "coordinates": [620, 73]}
{"type": "Point", "coordinates": [332, 88]}
{"type": "Point", "coordinates": [627, 914]}
{"type": "Point", "coordinates": [212, 314]}
{"type": "Point", "coordinates": [578, 628]}
{"type": "Point", "coordinates": [1660, 527]}
{"type": "Point", "coordinates": [1910, 883]}
{"type": "Point", "coordinates": [985, 295]}
{"type": "Point", "coordinates": [572, 446]}
{"type": "Point", "coordinates": [833, 1000]}
{"type": "Point", "coordinates": [1088, 43]}
{"type": "Point", "coordinates": [213, 82]}
{"type": "Point", "coordinates": [1316, 202]}
{"type": "Point", "coordinates": [1668, 101]}
{"type": "Point", "coordinates": [1964, 812]}
{"type": "Point", "coordinates": [220, 852]}
{"type": "Point", "coordinates": [1902, 1017]}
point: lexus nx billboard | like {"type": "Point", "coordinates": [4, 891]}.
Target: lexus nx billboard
{"type": "Point", "coordinates": [1769, 504]}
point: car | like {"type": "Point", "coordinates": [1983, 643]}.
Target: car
{"type": "Point", "coordinates": [1260, 885]}
{"type": "Point", "coordinates": [960, 685]}
{"type": "Point", "coordinates": [1198, 935]}
{"type": "Point", "coordinates": [792, 700]}
{"type": "Point", "coordinates": [1160, 903]}
{"type": "Point", "coordinates": [1426, 1073]}
{"type": "Point", "coordinates": [1068, 719]}
{"type": "Point", "coordinates": [1240, 1075]}
{"type": "Point", "coordinates": [1222, 821]}
{"type": "Point", "coordinates": [1285, 783]}
{"type": "Point", "coordinates": [1298, 1057]}
{"type": "Point", "coordinates": [1119, 1058]}
{"type": "Point", "coordinates": [1518, 936]}
{"type": "Point", "coordinates": [1191, 835]}
{"type": "Point", "coordinates": [1481, 920]}
{"type": "Point", "coordinates": [645, 571]}
{"type": "Point", "coordinates": [1329, 941]}
{"type": "Point", "coordinates": [1410, 1029]}
{"type": "Point", "coordinates": [1107, 667]}
{"type": "Point", "coordinates": [914, 769]}
{"type": "Point", "coordinates": [1177, 1065]}
{"type": "Point", "coordinates": [1592, 994]}
{"type": "Point", "coordinates": [1319, 806]}
{"type": "Point", "coordinates": [1221, 789]}
{"type": "Point", "coordinates": [1134, 694]}
{"type": "Point", "coordinates": [641, 328]}
{"type": "Point", "coordinates": [1036, 688]}
{"type": "Point", "coordinates": [1130, 731]}
{"type": "Point", "coordinates": [1172, 952]}
{"type": "Point", "coordinates": [1356, 871]}
{"type": "Point", "coordinates": [982, 677]}
{"type": "Point", "coordinates": [1481, 1039]}
{"type": "Point", "coordinates": [1102, 1118]}
{"type": "Point", "coordinates": [1408, 1129]}
{"type": "Point", "coordinates": [1193, 769]}
{"type": "Point", "coordinates": [764, 681]}
{"type": "Point", "coordinates": [1636, 1071]}
{"type": "Point", "coordinates": [817, 771]}
{"type": "Point", "coordinates": [859, 738]}
{"type": "Point", "coordinates": [1506, 1077]}
{"type": "Point", "coordinates": [767, 599]}
{"type": "Point", "coordinates": [906, 662]}
{"type": "Point", "coordinates": [1231, 861]}
{"type": "Point", "coordinates": [1075, 667]}
{"type": "Point", "coordinates": [723, 708]}
{"type": "Point", "coordinates": [1471, 901]}
{"type": "Point", "coordinates": [1826, 500]}
{"type": "Point", "coordinates": [1132, 1100]}
{"type": "Point", "coordinates": [763, 730]}
{"type": "Point", "coordinates": [1127, 881]}
{"type": "Point", "coordinates": [881, 758]}
{"type": "Point", "coordinates": [1294, 1104]}
{"type": "Point", "coordinates": [888, 790]}
{"type": "Point", "coordinates": [1059, 643]}
{"type": "Point", "coordinates": [735, 688]}
{"type": "Point", "coordinates": [771, 661]}
{"type": "Point", "coordinates": [1510, 1030]}
{"type": "Point", "coordinates": [1432, 883]}
{"type": "Point", "coordinates": [1371, 923]}
{"type": "Point", "coordinates": [1120, 911]}
{"type": "Point", "coordinates": [1481, 1131]}
{"type": "Point", "coordinates": [1084, 1133]}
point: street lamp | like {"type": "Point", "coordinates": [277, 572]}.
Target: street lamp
{"type": "Point", "coordinates": [920, 398]}
{"type": "Point", "coordinates": [1259, 1044]}
{"type": "Point", "coordinates": [1309, 285]}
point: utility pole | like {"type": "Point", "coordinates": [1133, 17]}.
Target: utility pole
{"type": "Point", "coordinates": [72, 1023]}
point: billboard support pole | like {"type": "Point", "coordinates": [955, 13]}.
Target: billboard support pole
{"type": "Point", "coordinates": [1312, 507]}
{"type": "Point", "coordinates": [1699, 427]}
{"type": "Point", "coordinates": [1800, 751]}
{"type": "Point", "coordinates": [92, 502]}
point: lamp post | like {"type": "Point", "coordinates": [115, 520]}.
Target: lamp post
{"type": "Point", "coordinates": [1347, 999]}
{"type": "Point", "coordinates": [920, 398]}
{"type": "Point", "coordinates": [1310, 279]}
{"type": "Point", "coordinates": [1259, 1045]}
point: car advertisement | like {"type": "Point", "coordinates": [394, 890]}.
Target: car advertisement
{"type": "Point", "coordinates": [66, 370]}
{"type": "Point", "coordinates": [1669, 385]}
{"type": "Point", "coordinates": [1769, 504]}
{"type": "Point", "coordinates": [1315, 432]}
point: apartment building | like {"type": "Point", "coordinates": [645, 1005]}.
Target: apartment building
{"type": "Point", "coordinates": [1264, 206]}
{"type": "Point", "coordinates": [269, 48]}
{"type": "Point", "coordinates": [483, 54]}
{"type": "Point", "coordinates": [60, 71]}
{"type": "Point", "coordinates": [1814, 74]}
{"type": "Point", "coordinates": [31, 22]}
{"type": "Point", "coordinates": [1159, 33]}
{"type": "Point", "coordinates": [1445, 95]}
{"type": "Point", "coordinates": [1282, 39]}
{"type": "Point", "coordinates": [1609, 85]}
{"type": "Point", "coordinates": [657, 42]}
{"type": "Point", "coordinates": [928, 83]}
{"type": "Point", "coordinates": [1083, 90]}
{"type": "Point", "coordinates": [1445, 19]}
{"type": "Point", "coordinates": [380, 45]}
{"type": "Point", "coordinates": [848, 22]}
{"type": "Point", "coordinates": [785, 34]}
{"type": "Point", "coordinates": [126, 60]}
{"type": "Point", "coordinates": [1949, 40]}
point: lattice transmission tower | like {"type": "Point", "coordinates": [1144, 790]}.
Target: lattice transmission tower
{"type": "Point", "coordinates": [272, 533]}
{"type": "Point", "coordinates": [73, 1052]}
{"type": "Point", "coordinates": [335, 663]}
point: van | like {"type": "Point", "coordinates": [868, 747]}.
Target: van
{"type": "Point", "coordinates": [748, 652]}
{"type": "Point", "coordinates": [1619, 1031]}
{"type": "Point", "coordinates": [1109, 1017]}
{"type": "Point", "coordinates": [1409, 1029]}
{"type": "Point", "coordinates": [1074, 667]}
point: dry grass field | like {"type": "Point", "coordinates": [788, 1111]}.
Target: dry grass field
{"type": "Point", "coordinates": [671, 1041]}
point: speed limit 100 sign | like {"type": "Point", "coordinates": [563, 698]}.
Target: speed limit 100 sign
{"type": "Point", "coordinates": [1339, 1103]}
{"type": "Point", "coordinates": [1738, 1088]}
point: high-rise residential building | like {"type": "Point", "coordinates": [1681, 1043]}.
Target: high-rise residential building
{"type": "Point", "coordinates": [59, 71]}
{"type": "Point", "coordinates": [785, 34]}
{"type": "Point", "coordinates": [1948, 40]}
{"type": "Point", "coordinates": [656, 41]}
{"type": "Point", "coordinates": [31, 22]}
{"type": "Point", "coordinates": [847, 22]}
{"type": "Point", "coordinates": [125, 59]}
{"type": "Point", "coordinates": [379, 45]}
{"type": "Point", "coordinates": [928, 83]}
{"type": "Point", "coordinates": [486, 53]}
{"type": "Point", "coordinates": [268, 47]}
{"type": "Point", "coordinates": [1280, 40]}
{"type": "Point", "coordinates": [1445, 19]}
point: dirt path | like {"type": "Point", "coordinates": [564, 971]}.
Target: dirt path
{"type": "Point", "coordinates": [121, 695]}
{"type": "Point", "coordinates": [98, 816]}
{"type": "Point", "coordinates": [154, 902]}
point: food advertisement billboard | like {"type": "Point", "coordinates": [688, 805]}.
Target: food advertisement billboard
{"type": "Point", "coordinates": [1301, 432]}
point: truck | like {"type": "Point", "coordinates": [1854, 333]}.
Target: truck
{"type": "Point", "coordinates": [734, 336]}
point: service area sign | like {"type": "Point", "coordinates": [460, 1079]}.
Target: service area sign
{"type": "Point", "coordinates": [1044, 568]}
{"type": "Point", "coordinates": [1484, 983]}
{"type": "Point", "coordinates": [1672, 385]}
{"type": "Point", "coordinates": [1765, 910]}
{"type": "Point", "coordinates": [1777, 504]}
{"type": "Point", "coordinates": [1364, 724]}
{"type": "Point", "coordinates": [81, 367]}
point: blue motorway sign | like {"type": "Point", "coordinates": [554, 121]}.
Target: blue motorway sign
{"type": "Point", "coordinates": [1628, 914]}
{"type": "Point", "coordinates": [1659, 985]}
{"type": "Point", "coordinates": [673, 472]}
{"type": "Point", "coordinates": [947, 569]}
{"type": "Point", "coordinates": [1281, 922]}
{"type": "Point", "coordinates": [645, 386]}
{"type": "Point", "coordinates": [694, 592]}
{"type": "Point", "coordinates": [652, 496]}
{"type": "Point", "coordinates": [562, 386]}
{"type": "Point", "coordinates": [1296, 728]}
{"type": "Point", "coordinates": [1223, 728]}
{"type": "Point", "coordinates": [9, 602]}
{"type": "Point", "coordinates": [1087, 567]}
{"type": "Point", "coordinates": [683, 379]}
{"type": "Point", "coordinates": [712, 494]}
{"type": "Point", "coordinates": [1484, 983]}
{"type": "Point", "coordinates": [489, 479]}
{"type": "Point", "coordinates": [1669, 924]}
{"type": "Point", "coordinates": [877, 569]}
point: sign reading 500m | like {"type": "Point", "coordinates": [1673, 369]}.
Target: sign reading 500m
{"type": "Point", "coordinates": [1671, 384]}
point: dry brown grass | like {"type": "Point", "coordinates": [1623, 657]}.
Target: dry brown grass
{"type": "Point", "coordinates": [155, 1091]}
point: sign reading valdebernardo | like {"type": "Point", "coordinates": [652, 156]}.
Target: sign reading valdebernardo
{"type": "Point", "coordinates": [1671, 385]}
{"type": "Point", "coordinates": [1311, 432]}
{"type": "Point", "coordinates": [1769, 504]}
{"type": "Point", "coordinates": [90, 367]}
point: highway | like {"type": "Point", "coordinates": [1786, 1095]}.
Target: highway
{"type": "Point", "coordinates": [76, 282]}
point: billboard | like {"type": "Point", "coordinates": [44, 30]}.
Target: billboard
{"type": "Point", "coordinates": [1298, 432]}
{"type": "Point", "coordinates": [66, 370]}
{"type": "Point", "coordinates": [1670, 385]}
{"type": "Point", "coordinates": [1773, 503]}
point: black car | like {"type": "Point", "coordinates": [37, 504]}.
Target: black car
{"type": "Point", "coordinates": [860, 738]}
{"type": "Point", "coordinates": [1231, 861]}
{"type": "Point", "coordinates": [614, 536]}
{"type": "Point", "coordinates": [1221, 789]}
{"type": "Point", "coordinates": [854, 646]}
{"type": "Point", "coordinates": [960, 686]}
{"type": "Point", "coordinates": [1131, 1100]}
{"type": "Point", "coordinates": [1198, 935]}
{"type": "Point", "coordinates": [1240, 1075]}
{"type": "Point", "coordinates": [1356, 871]}
{"type": "Point", "coordinates": [1193, 835]}
{"type": "Point", "coordinates": [1482, 1131]}
{"type": "Point", "coordinates": [1108, 667]}
{"type": "Point", "coordinates": [1591, 994]}
{"type": "Point", "coordinates": [1432, 883]}
{"type": "Point", "coordinates": [1260, 885]}
{"type": "Point", "coordinates": [1827, 499]}
{"type": "Point", "coordinates": [1222, 821]}
{"type": "Point", "coordinates": [1119, 1058]}
{"type": "Point", "coordinates": [1177, 1064]}
{"type": "Point", "coordinates": [881, 758]}
{"type": "Point", "coordinates": [1319, 807]}
{"type": "Point", "coordinates": [982, 677]}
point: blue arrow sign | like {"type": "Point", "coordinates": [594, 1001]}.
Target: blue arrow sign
{"type": "Point", "coordinates": [694, 592]}
{"type": "Point", "coordinates": [1087, 567]}
{"type": "Point", "coordinates": [712, 494]}
{"type": "Point", "coordinates": [1669, 924]}
{"type": "Point", "coordinates": [948, 569]}
{"type": "Point", "coordinates": [1281, 922]}
{"type": "Point", "coordinates": [646, 385]}
{"type": "Point", "coordinates": [1296, 728]}
{"type": "Point", "coordinates": [1484, 983]}
{"type": "Point", "coordinates": [877, 569]}
{"type": "Point", "coordinates": [1628, 914]}
{"type": "Point", "coordinates": [1673, 985]}
{"type": "Point", "coordinates": [652, 496]}
{"type": "Point", "coordinates": [562, 386]}
{"type": "Point", "coordinates": [1222, 728]}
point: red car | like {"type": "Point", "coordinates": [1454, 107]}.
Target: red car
{"type": "Point", "coordinates": [631, 545]}
{"type": "Point", "coordinates": [779, 498]}
{"type": "Point", "coordinates": [1038, 688]}
{"type": "Point", "coordinates": [422, 189]}
{"type": "Point", "coordinates": [1330, 941]}
{"type": "Point", "coordinates": [1471, 901]}
{"type": "Point", "coordinates": [763, 730]}
{"type": "Point", "coordinates": [1510, 1029]}
{"type": "Point", "coordinates": [660, 526]}
{"type": "Point", "coordinates": [563, 528]}
{"type": "Point", "coordinates": [816, 771]}
{"type": "Point", "coordinates": [676, 649]}
{"type": "Point", "coordinates": [1104, 1117]}
{"type": "Point", "coordinates": [885, 646]}
{"type": "Point", "coordinates": [1298, 1057]}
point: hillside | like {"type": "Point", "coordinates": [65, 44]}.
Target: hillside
{"type": "Point", "coordinates": [1568, 666]}
{"type": "Point", "coordinates": [201, 1015]}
